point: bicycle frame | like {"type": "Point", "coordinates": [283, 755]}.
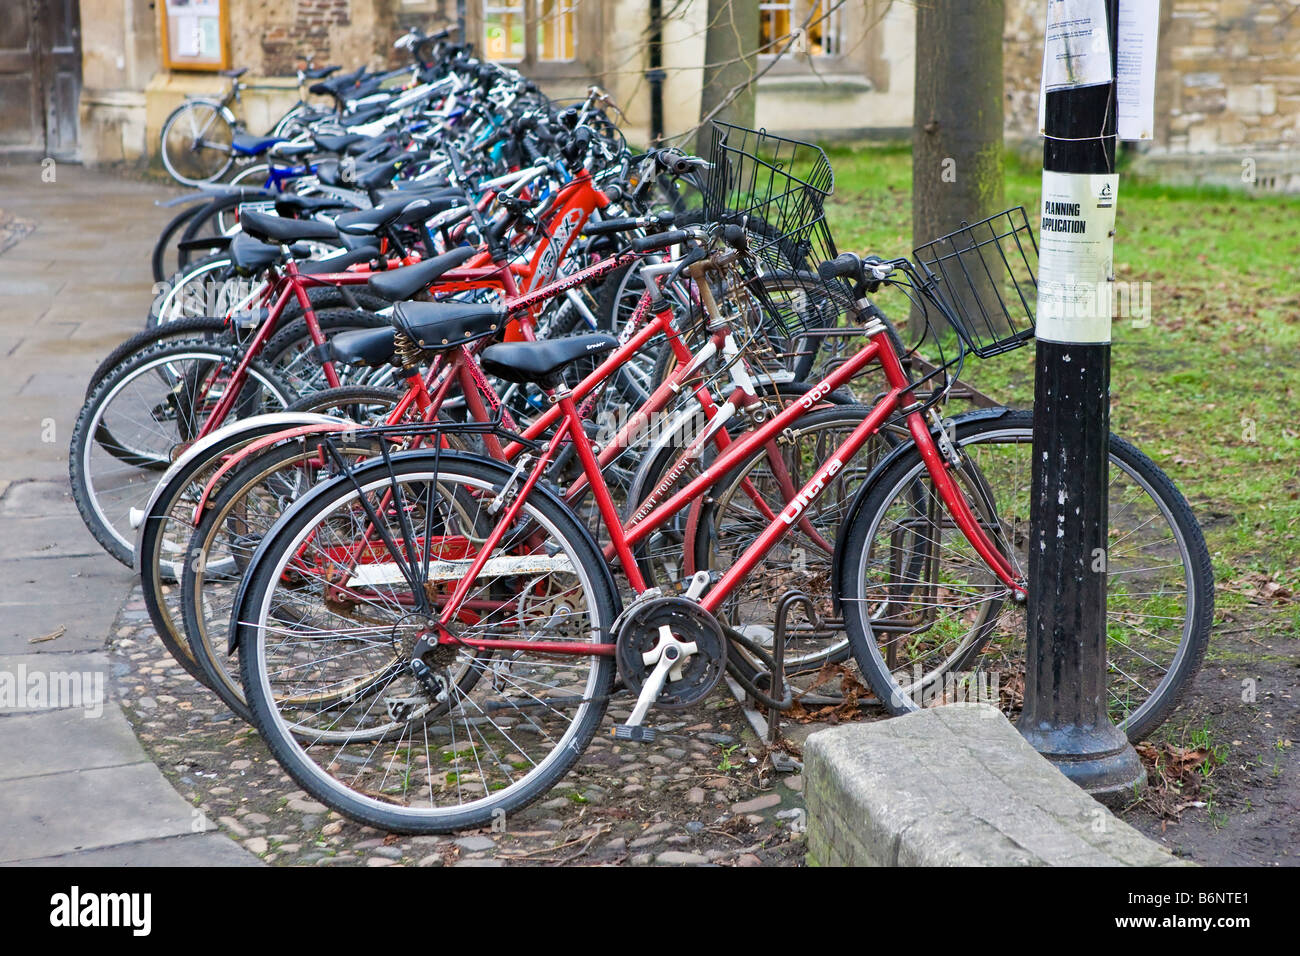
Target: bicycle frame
{"type": "Point", "coordinates": [899, 398]}
{"type": "Point", "coordinates": [575, 203]}
{"type": "Point", "coordinates": [277, 291]}
{"type": "Point", "coordinates": [428, 392]}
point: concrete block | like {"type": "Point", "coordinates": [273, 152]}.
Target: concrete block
{"type": "Point", "coordinates": [954, 786]}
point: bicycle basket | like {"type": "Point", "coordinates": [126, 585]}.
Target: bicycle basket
{"type": "Point", "coordinates": [777, 189]}
{"type": "Point", "coordinates": [981, 278]}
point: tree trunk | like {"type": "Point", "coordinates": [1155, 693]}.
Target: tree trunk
{"type": "Point", "coordinates": [957, 117]}
{"type": "Point", "coordinates": [731, 59]}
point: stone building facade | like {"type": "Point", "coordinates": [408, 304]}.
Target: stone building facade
{"type": "Point", "coordinates": [1228, 81]}
{"type": "Point", "coordinates": [1227, 90]}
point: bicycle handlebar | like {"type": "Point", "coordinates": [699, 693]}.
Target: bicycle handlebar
{"type": "Point", "coordinates": [661, 240]}
{"type": "Point", "coordinates": [626, 223]}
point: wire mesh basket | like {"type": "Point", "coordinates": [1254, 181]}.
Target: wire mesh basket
{"type": "Point", "coordinates": [982, 278]}
{"type": "Point", "coordinates": [777, 189]}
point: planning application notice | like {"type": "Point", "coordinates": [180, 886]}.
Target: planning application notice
{"type": "Point", "coordinates": [1075, 248]}
{"type": "Point", "coordinates": [1076, 51]}
{"type": "Point", "coordinates": [1135, 73]}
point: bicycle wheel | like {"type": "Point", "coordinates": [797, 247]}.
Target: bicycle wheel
{"type": "Point", "coordinates": [295, 122]}
{"type": "Point", "coordinates": [205, 287]}
{"type": "Point", "coordinates": [929, 622]}
{"type": "Point", "coordinates": [205, 329]}
{"type": "Point", "coordinates": [252, 176]}
{"type": "Point", "coordinates": [482, 733]}
{"type": "Point", "coordinates": [248, 504]}
{"type": "Point", "coordinates": [196, 142]}
{"type": "Point", "coordinates": [138, 418]}
{"type": "Point", "coordinates": [239, 513]}
{"type": "Point", "coordinates": [167, 523]}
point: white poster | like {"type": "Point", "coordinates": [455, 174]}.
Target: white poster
{"type": "Point", "coordinates": [1076, 239]}
{"type": "Point", "coordinates": [1135, 67]}
{"type": "Point", "coordinates": [1076, 51]}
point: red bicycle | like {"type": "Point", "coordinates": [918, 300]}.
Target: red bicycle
{"type": "Point", "coordinates": [153, 404]}
{"type": "Point", "coordinates": [430, 638]}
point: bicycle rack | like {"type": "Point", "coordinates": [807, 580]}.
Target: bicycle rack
{"type": "Point", "coordinates": [778, 698]}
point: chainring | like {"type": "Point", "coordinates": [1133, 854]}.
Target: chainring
{"type": "Point", "coordinates": [638, 633]}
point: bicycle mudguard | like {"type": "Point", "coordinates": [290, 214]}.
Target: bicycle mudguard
{"type": "Point", "coordinates": [368, 471]}
{"type": "Point", "coordinates": [263, 442]}
{"type": "Point", "coordinates": [270, 422]}
{"type": "Point", "coordinates": [860, 496]}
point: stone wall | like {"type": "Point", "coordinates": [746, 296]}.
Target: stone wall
{"type": "Point", "coordinates": [271, 36]}
{"type": "Point", "coordinates": [954, 786]}
{"type": "Point", "coordinates": [1228, 89]}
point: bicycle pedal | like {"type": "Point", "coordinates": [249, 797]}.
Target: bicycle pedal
{"type": "Point", "coordinates": [638, 735]}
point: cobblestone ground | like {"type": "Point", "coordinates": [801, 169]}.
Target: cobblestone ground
{"type": "Point", "coordinates": [702, 793]}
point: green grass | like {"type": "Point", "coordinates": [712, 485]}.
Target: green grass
{"type": "Point", "coordinates": [1208, 387]}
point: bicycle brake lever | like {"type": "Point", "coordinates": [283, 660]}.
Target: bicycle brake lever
{"type": "Point", "coordinates": [693, 255]}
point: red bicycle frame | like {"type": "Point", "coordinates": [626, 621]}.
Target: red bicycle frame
{"type": "Point", "coordinates": [575, 203]}
{"type": "Point", "coordinates": [879, 349]}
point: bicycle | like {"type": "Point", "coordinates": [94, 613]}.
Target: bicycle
{"type": "Point", "coordinates": [485, 624]}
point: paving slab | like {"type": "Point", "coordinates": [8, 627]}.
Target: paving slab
{"type": "Point", "coordinates": [58, 813]}
{"type": "Point", "coordinates": [76, 787]}
{"type": "Point", "coordinates": [198, 849]}
{"type": "Point", "coordinates": [65, 740]}
{"type": "Point", "coordinates": [43, 683]}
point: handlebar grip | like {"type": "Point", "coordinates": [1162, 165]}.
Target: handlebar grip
{"type": "Point", "coordinates": [661, 241]}
{"type": "Point", "coordinates": [847, 265]}
{"type": "Point", "coordinates": [607, 226]}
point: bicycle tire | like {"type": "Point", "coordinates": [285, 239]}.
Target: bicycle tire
{"type": "Point", "coordinates": [91, 428]}
{"type": "Point", "coordinates": [187, 290]}
{"type": "Point", "coordinates": [198, 327]}
{"type": "Point", "coordinates": [1016, 428]}
{"type": "Point", "coordinates": [221, 118]}
{"type": "Point", "coordinates": [169, 506]}
{"type": "Point", "coordinates": [253, 607]}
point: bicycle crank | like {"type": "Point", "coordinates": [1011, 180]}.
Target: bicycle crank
{"type": "Point", "coordinates": [671, 653]}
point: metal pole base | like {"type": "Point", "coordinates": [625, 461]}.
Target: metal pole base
{"type": "Point", "coordinates": [1099, 760]}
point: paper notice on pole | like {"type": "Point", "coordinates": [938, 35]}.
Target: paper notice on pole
{"type": "Point", "coordinates": [1135, 72]}
{"type": "Point", "coordinates": [1076, 50]}
{"type": "Point", "coordinates": [1076, 240]}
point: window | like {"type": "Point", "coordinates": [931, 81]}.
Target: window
{"type": "Point", "coordinates": [555, 38]}
{"type": "Point", "coordinates": [550, 25]}
{"type": "Point", "coordinates": [503, 31]}
{"type": "Point", "coordinates": [774, 23]}
{"type": "Point", "coordinates": [778, 18]}
{"type": "Point", "coordinates": [824, 35]}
